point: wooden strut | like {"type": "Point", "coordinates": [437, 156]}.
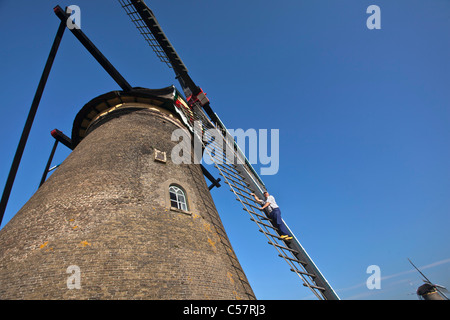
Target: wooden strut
{"type": "Point", "coordinates": [101, 59]}
{"type": "Point", "coordinates": [30, 119]}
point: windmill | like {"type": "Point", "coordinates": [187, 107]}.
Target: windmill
{"type": "Point", "coordinates": [204, 124]}
{"type": "Point", "coordinates": [239, 175]}
{"type": "Point", "coordinates": [429, 290]}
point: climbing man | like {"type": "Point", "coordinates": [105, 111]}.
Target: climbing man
{"type": "Point", "coordinates": [274, 214]}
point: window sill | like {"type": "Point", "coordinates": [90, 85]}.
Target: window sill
{"type": "Point", "coordinates": [181, 211]}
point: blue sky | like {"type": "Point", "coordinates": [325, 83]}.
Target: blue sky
{"type": "Point", "coordinates": [364, 120]}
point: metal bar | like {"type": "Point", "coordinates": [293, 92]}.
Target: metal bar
{"type": "Point", "coordinates": [61, 137]}
{"type": "Point", "coordinates": [117, 77]}
{"type": "Point", "coordinates": [215, 182]}
{"type": "Point", "coordinates": [30, 119]}
{"type": "Point", "coordinates": [49, 162]}
{"type": "Point", "coordinates": [213, 185]}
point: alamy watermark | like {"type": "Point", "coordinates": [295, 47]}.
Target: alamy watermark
{"type": "Point", "coordinates": [226, 148]}
{"type": "Point", "coordinates": [74, 280]}
{"type": "Point", "coordinates": [374, 20]}
{"type": "Point", "coordinates": [374, 280]}
{"type": "Point", "coordinates": [74, 20]}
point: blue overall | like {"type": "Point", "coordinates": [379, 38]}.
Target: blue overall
{"type": "Point", "coordinates": [275, 215]}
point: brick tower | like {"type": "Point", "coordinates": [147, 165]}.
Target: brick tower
{"type": "Point", "coordinates": [118, 218]}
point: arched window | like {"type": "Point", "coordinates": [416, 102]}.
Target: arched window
{"type": "Point", "coordinates": [178, 198]}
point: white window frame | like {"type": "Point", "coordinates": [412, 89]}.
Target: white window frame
{"type": "Point", "coordinates": [179, 199]}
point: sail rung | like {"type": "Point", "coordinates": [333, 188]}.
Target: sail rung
{"type": "Point", "coordinates": [293, 259]}
{"type": "Point", "coordinates": [256, 214]}
{"type": "Point", "coordinates": [266, 225]}
{"type": "Point", "coordinates": [304, 273]}
{"type": "Point", "coordinates": [314, 287]}
{"type": "Point", "coordinates": [282, 247]}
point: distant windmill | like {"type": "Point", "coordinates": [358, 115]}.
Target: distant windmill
{"type": "Point", "coordinates": [429, 291]}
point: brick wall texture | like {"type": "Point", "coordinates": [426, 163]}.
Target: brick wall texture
{"type": "Point", "coordinates": [106, 211]}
